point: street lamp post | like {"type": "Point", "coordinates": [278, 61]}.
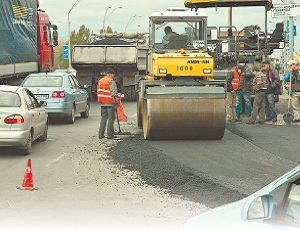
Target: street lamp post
{"type": "Point", "coordinates": [291, 35]}
{"type": "Point", "coordinates": [130, 21]}
{"type": "Point", "coordinates": [106, 17]}
{"type": "Point", "coordinates": [69, 31]}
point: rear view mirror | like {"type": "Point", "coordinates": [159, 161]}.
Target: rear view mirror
{"type": "Point", "coordinates": [43, 103]}
{"type": "Point", "coordinates": [260, 208]}
{"type": "Point", "coordinates": [55, 35]}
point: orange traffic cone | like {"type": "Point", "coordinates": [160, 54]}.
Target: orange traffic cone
{"type": "Point", "coordinates": [28, 180]}
{"type": "Point", "coordinates": [120, 110]}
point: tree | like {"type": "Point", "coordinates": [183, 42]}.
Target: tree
{"type": "Point", "coordinates": [59, 62]}
{"type": "Point", "coordinates": [107, 30]}
{"type": "Point", "coordinates": [82, 37]}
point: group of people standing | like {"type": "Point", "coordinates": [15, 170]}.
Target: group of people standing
{"type": "Point", "coordinates": [242, 82]}
{"type": "Point", "coordinates": [293, 80]}
{"type": "Point", "coordinates": [264, 83]}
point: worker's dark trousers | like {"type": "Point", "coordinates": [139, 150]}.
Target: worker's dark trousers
{"type": "Point", "coordinates": [270, 106]}
{"type": "Point", "coordinates": [107, 117]}
{"type": "Point", "coordinates": [259, 107]}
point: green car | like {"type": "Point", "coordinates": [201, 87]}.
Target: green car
{"type": "Point", "coordinates": [63, 93]}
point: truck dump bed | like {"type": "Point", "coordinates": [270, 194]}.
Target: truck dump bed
{"type": "Point", "coordinates": [227, 3]}
{"type": "Point", "coordinates": [91, 62]}
{"type": "Point", "coordinates": [104, 55]}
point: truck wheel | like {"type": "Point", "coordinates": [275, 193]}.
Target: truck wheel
{"type": "Point", "coordinates": [129, 93]}
{"type": "Point", "coordinates": [134, 94]}
{"type": "Point", "coordinates": [139, 113]}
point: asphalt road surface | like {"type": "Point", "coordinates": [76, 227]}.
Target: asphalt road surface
{"type": "Point", "coordinates": [131, 183]}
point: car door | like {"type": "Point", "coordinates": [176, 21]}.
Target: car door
{"type": "Point", "coordinates": [76, 94]}
{"type": "Point", "coordinates": [82, 95]}
{"type": "Point", "coordinates": [38, 114]}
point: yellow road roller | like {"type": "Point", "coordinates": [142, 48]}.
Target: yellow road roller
{"type": "Point", "coordinates": [178, 99]}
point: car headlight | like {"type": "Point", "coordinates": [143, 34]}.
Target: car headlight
{"type": "Point", "coordinates": [163, 71]}
{"type": "Point", "coordinates": [207, 71]}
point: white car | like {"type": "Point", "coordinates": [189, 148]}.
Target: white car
{"type": "Point", "coordinates": [276, 206]}
{"type": "Point", "coordinates": [22, 118]}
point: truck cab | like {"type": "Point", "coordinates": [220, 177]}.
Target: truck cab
{"type": "Point", "coordinates": [178, 45]}
{"type": "Point", "coordinates": [188, 30]}
{"type": "Point", "coordinates": [47, 39]}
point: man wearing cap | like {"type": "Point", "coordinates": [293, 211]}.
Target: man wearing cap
{"type": "Point", "coordinates": [108, 98]}
{"type": "Point", "coordinates": [233, 84]}
{"type": "Point", "coordinates": [273, 80]}
{"type": "Point", "coordinates": [295, 88]}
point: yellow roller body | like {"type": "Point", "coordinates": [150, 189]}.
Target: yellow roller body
{"type": "Point", "coordinates": [184, 118]}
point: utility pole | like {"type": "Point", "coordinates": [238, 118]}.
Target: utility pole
{"type": "Point", "coordinates": [230, 16]}
{"type": "Point", "coordinates": [291, 35]}
{"type": "Point", "coordinates": [69, 32]}
{"type": "Point", "coordinates": [106, 17]}
{"type": "Point", "coordinates": [285, 38]}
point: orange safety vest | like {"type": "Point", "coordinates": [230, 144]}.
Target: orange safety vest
{"type": "Point", "coordinates": [235, 83]}
{"type": "Point", "coordinates": [103, 91]}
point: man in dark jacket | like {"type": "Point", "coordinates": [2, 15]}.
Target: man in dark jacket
{"type": "Point", "coordinates": [273, 79]}
{"type": "Point", "coordinates": [260, 84]}
{"type": "Point", "coordinates": [246, 88]}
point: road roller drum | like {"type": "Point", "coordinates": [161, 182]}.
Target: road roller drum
{"type": "Point", "coordinates": [184, 113]}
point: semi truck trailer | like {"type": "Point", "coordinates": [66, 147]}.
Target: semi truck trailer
{"type": "Point", "coordinates": [27, 40]}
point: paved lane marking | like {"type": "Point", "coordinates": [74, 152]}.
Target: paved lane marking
{"type": "Point", "coordinates": [55, 160]}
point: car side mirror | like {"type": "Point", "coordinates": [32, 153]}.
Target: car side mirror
{"type": "Point", "coordinates": [259, 208]}
{"type": "Point", "coordinates": [43, 103]}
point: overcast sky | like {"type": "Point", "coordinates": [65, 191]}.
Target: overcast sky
{"type": "Point", "coordinates": [91, 14]}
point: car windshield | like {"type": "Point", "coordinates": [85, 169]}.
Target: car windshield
{"type": "Point", "coordinates": [9, 99]}
{"type": "Point", "coordinates": [179, 34]}
{"type": "Point", "coordinates": [45, 81]}
{"type": "Point", "coordinates": [293, 209]}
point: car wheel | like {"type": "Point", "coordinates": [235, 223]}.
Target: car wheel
{"type": "Point", "coordinates": [45, 134]}
{"type": "Point", "coordinates": [86, 113]}
{"type": "Point", "coordinates": [26, 149]}
{"type": "Point", "coordinates": [71, 117]}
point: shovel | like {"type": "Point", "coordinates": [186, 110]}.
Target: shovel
{"type": "Point", "coordinates": [288, 117]}
{"type": "Point", "coordinates": [120, 132]}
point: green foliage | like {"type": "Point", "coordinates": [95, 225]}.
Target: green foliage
{"type": "Point", "coordinates": [59, 62]}
{"type": "Point", "coordinates": [81, 37]}
{"type": "Point", "coordinates": [107, 30]}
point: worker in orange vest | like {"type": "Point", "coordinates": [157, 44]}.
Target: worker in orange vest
{"type": "Point", "coordinates": [233, 85]}
{"type": "Point", "coordinates": [108, 98]}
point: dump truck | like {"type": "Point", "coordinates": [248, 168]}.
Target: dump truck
{"type": "Point", "coordinates": [125, 53]}
{"type": "Point", "coordinates": [27, 40]}
{"type": "Point", "coordinates": [178, 98]}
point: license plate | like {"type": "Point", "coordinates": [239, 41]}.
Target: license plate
{"type": "Point", "coordinates": [41, 96]}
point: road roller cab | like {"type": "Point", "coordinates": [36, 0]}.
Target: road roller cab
{"type": "Point", "coordinates": [179, 99]}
